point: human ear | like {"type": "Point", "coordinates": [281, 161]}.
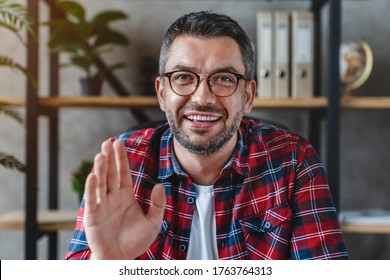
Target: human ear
{"type": "Point", "coordinates": [250, 92]}
{"type": "Point", "coordinates": [160, 94]}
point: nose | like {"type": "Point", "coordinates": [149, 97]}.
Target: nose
{"type": "Point", "coordinates": [203, 94]}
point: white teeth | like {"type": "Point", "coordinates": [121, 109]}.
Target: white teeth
{"type": "Point", "coordinates": [202, 118]}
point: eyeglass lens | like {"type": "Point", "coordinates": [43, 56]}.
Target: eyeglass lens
{"type": "Point", "coordinates": [220, 83]}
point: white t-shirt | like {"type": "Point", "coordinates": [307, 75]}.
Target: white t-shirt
{"type": "Point", "coordinates": [203, 240]}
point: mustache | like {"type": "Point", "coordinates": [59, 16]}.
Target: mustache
{"type": "Point", "coordinates": [202, 108]}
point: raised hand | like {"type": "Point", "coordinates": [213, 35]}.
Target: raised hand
{"type": "Point", "coordinates": [115, 225]}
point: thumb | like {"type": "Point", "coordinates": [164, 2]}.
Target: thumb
{"type": "Point", "coordinates": [156, 210]}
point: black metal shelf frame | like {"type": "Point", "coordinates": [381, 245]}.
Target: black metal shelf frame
{"type": "Point", "coordinates": [331, 114]}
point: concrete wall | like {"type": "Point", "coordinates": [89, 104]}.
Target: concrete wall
{"type": "Point", "coordinates": [364, 141]}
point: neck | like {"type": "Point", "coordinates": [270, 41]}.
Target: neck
{"type": "Point", "coordinates": [204, 169]}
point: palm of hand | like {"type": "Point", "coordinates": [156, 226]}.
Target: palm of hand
{"type": "Point", "coordinates": [115, 225]}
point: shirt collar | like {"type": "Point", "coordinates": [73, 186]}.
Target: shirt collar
{"type": "Point", "coordinates": [239, 161]}
{"type": "Point", "coordinates": [170, 165]}
{"type": "Point", "coordinates": [168, 162]}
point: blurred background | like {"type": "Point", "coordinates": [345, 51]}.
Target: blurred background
{"type": "Point", "coordinates": [365, 133]}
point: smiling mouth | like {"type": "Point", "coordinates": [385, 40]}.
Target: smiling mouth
{"type": "Point", "coordinates": [202, 119]}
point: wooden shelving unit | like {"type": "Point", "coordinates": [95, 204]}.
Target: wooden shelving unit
{"type": "Point", "coordinates": [37, 222]}
{"type": "Point", "coordinates": [51, 221]}
{"type": "Point", "coordinates": [54, 220]}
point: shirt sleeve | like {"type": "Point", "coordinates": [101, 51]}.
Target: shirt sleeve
{"type": "Point", "coordinates": [316, 232]}
{"type": "Point", "coordinates": [78, 248]}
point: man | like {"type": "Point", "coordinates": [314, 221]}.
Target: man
{"type": "Point", "coordinates": [207, 185]}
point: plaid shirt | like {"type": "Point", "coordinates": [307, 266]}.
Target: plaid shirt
{"type": "Point", "coordinates": [272, 199]}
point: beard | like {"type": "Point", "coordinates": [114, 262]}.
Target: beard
{"type": "Point", "coordinates": [214, 144]}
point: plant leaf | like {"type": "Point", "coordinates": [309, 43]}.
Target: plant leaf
{"type": "Point", "coordinates": [84, 40]}
{"type": "Point", "coordinates": [8, 62]}
{"type": "Point", "coordinates": [108, 36]}
{"type": "Point", "coordinates": [104, 18]}
{"type": "Point", "coordinates": [11, 162]}
{"type": "Point", "coordinates": [13, 30]}
{"type": "Point", "coordinates": [14, 17]}
{"type": "Point", "coordinates": [103, 72]}
{"type": "Point", "coordinates": [82, 62]}
{"type": "Point", "coordinates": [10, 112]}
{"type": "Point", "coordinates": [74, 10]}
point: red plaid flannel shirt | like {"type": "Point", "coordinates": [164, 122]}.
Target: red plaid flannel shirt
{"type": "Point", "coordinates": [272, 199]}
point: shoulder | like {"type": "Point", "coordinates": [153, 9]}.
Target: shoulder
{"type": "Point", "coordinates": [144, 137]}
{"type": "Point", "coordinates": [268, 143]}
{"type": "Point", "coordinates": [268, 132]}
{"type": "Point", "coordinates": [273, 138]}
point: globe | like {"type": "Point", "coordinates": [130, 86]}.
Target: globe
{"type": "Point", "coordinates": [355, 64]}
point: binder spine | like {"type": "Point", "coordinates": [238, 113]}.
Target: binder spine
{"type": "Point", "coordinates": [264, 54]}
{"type": "Point", "coordinates": [281, 58]}
{"type": "Point", "coordinates": [302, 55]}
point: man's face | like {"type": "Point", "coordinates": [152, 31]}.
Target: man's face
{"type": "Point", "coordinates": [202, 122]}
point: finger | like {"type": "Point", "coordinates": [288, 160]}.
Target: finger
{"type": "Point", "coordinates": [156, 210]}
{"type": "Point", "coordinates": [100, 171]}
{"type": "Point", "coordinates": [123, 168]}
{"type": "Point", "coordinates": [112, 177]}
{"type": "Point", "coordinates": [90, 193]}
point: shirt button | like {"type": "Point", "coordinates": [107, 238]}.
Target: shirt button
{"type": "Point", "coordinates": [182, 247]}
{"type": "Point", "coordinates": [267, 225]}
{"type": "Point", "coordinates": [190, 200]}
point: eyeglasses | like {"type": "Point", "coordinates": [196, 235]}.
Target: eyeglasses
{"type": "Point", "coordinates": [222, 84]}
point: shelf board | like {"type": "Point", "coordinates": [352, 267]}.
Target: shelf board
{"type": "Point", "coordinates": [309, 103]}
{"type": "Point", "coordinates": [363, 228]}
{"type": "Point", "coordinates": [371, 102]}
{"type": "Point", "coordinates": [348, 102]}
{"type": "Point", "coordinates": [49, 220]}
{"type": "Point", "coordinates": [150, 101]}
{"type": "Point", "coordinates": [365, 221]}
{"type": "Point", "coordinates": [12, 100]}
{"type": "Point", "coordinates": [99, 101]}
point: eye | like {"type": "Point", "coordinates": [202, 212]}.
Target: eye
{"type": "Point", "coordinates": [224, 78]}
{"type": "Point", "coordinates": [183, 77]}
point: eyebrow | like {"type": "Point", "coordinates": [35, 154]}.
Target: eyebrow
{"type": "Point", "coordinates": [218, 69]}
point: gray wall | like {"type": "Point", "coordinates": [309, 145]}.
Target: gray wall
{"type": "Point", "coordinates": [364, 139]}
{"type": "Point", "coordinates": [365, 156]}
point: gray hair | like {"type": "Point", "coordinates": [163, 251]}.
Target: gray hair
{"type": "Point", "coordinates": [209, 24]}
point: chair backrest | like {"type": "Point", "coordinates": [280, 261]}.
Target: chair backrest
{"type": "Point", "coordinates": [268, 122]}
{"type": "Point", "coordinates": [148, 124]}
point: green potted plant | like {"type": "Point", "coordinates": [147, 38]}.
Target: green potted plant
{"type": "Point", "coordinates": [85, 40]}
{"type": "Point", "coordinates": [14, 18]}
{"type": "Point", "coordinates": [79, 176]}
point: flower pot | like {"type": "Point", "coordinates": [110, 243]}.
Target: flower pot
{"type": "Point", "coordinates": [91, 86]}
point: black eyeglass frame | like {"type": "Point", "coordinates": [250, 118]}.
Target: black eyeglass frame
{"type": "Point", "coordinates": [198, 77]}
